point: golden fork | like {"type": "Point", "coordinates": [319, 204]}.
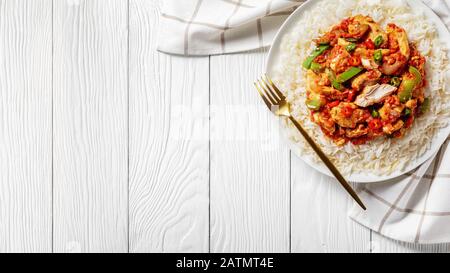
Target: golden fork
{"type": "Point", "coordinates": [278, 105]}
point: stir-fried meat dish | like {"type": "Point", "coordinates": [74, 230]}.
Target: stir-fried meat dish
{"type": "Point", "coordinates": [365, 82]}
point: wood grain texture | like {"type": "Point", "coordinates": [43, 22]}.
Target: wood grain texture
{"type": "Point", "coordinates": [319, 214]}
{"type": "Point", "coordinates": [90, 126]}
{"type": "Point", "coordinates": [112, 91]}
{"type": "Point", "coordinates": [169, 149]}
{"type": "Point", "coordinates": [25, 126]}
{"type": "Point", "coordinates": [249, 165]}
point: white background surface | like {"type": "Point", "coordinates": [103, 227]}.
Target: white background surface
{"type": "Point", "coordinates": [109, 146]}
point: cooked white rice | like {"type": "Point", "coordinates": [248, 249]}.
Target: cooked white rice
{"type": "Point", "coordinates": [381, 156]}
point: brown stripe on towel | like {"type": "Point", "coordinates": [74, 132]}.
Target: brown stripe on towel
{"type": "Point", "coordinates": [186, 33]}
{"type": "Point", "coordinates": [181, 20]}
{"type": "Point", "coordinates": [234, 3]}
{"type": "Point", "coordinates": [392, 207]}
{"type": "Point", "coordinates": [405, 210]}
{"type": "Point", "coordinates": [259, 28]}
{"type": "Point", "coordinates": [227, 24]}
{"type": "Point", "coordinates": [437, 163]}
{"type": "Point", "coordinates": [269, 7]}
{"type": "Point", "coordinates": [259, 24]}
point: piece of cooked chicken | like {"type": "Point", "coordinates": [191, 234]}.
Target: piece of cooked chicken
{"type": "Point", "coordinates": [368, 63]}
{"type": "Point", "coordinates": [358, 27]}
{"type": "Point", "coordinates": [391, 112]}
{"type": "Point", "coordinates": [325, 122]}
{"type": "Point", "coordinates": [340, 141]}
{"type": "Point", "coordinates": [389, 129]}
{"type": "Point", "coordinates": [313, 82]}
{"type": "Point", "coordinates": [332, 93]}
{"type": "Point", "coordinates": [365, 79]}
{"type": "Point", "coordinates": [411, 104]}
{"type": "Point", "coordinates": [339, 59]}
{"type": "Point", "coordinates": [358, 132]}
{"type": "Point", "coordinates": [374, 94]}
{"type": "Point", "coordinates": [367, 59]}
{"type": "Point", "coordinates": [317, 83]}
{"type": "Point", "coordinates": [375, 29]}
{"type": "Point", "coordinates": [399, 34]}
{"type": "Point", "coordinates": [343, 42]}
{"type": "Point", "coordinates": [394, 63]}
{"type": "Point", "coordinates": [347, 115]}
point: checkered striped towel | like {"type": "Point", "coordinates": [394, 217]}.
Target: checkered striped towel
{"type": "Point", "coordinates": [208, 27]}
{"type": "Point", "coordinates": [413, 208]}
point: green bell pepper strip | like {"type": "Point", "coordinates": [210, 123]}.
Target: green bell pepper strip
{"type": "Point", "coordinates": [378, 56]}
{"type": "Point", "coordinates": [314, 102]}
{"type": "Point", "coordinates": [407, 112]}
{"type": "Point", "coordinates": [324, 43]}
{"type": "Point", "coordinates": [406, 90]}
{"type": "Point", "coordinates": [317, 52]}
{"type": "Point", "coordinates": [407, 86]}
{"type": "Point", "coordinates": [350, 47]}
{"type": "Point", "coordinates": [375, 113]}
{"type": "Point", "coordinates": [416, 74]}
{"type": "Point", "coordinates": [425, 107]}
{"type": "Point", "coordinates": [349, 74]}
{"type": "Point", "coordinates": [378, 41]}
{"type": "Point", "coordinates": [396, 81]}
{"type": "Point", "coordinates": [336, 85]}
{"type": "Point", "coordinates": [352, 40]}
{"type": "Point", "coordinates": [332, 77]}
{"type": "Point", "coordinates": [316, 67]}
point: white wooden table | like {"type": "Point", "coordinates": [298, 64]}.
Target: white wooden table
{"type": "Point", "coordinates": [107, 145]}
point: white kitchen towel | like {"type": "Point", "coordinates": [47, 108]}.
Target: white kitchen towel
{"type": "Point", "coordinates": [208, 27]}
{"type": "Point", "coordinates": [413, 208]}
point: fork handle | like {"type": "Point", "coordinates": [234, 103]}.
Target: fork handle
{"type": "Point", "coordinates": [328, 163]}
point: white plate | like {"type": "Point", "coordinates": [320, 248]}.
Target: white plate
{"type": "Point", "coordinates": [437, 141]}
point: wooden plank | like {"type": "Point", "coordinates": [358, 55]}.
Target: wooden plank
{"type": "Point", "coordinates": [25, 126]}
{"type": "Point", "coordinates": [319, 214]}
{"type": "Point", "coordinates": [382, 244]}
{"type": "Point", "coordinates": [249, 166]}
{"type": "Point", "coordinates": [169, 149]}
{"type": "Point", "coordinates": [90, 126]}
